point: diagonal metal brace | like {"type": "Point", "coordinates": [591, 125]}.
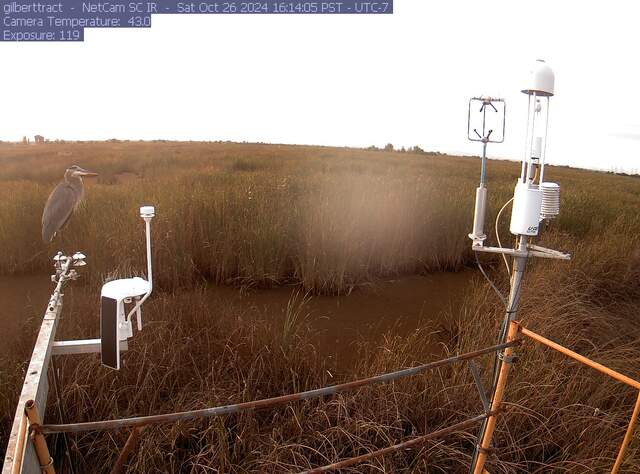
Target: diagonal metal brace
{"type": "Point", "coordinates": [479, 386]}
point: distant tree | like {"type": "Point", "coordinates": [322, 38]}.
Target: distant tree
{"type": "Point", "coordinates": [416, 149]}
{"type": "Point", "coordinates": [403, 150]}
{"type": "Point", "coordinates": [388, 147]}
{"type": "Point", "coordinates": [373, 148]}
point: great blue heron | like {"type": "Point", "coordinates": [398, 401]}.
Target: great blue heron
{"type": "Point", "coordinates": [63, 200]}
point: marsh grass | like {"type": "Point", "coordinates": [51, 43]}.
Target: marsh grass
{"type": "Point", "coordinates": [326, 220]}
{"type": "Point", "coordinates": [259, 215]}
{"type": "Point", "coordinates": [255, 216]}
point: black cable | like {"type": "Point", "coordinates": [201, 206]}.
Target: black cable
{"type": "Point", "coordinates": [496, 360]}
{"type": "Point", "coordinates": [495, 288]}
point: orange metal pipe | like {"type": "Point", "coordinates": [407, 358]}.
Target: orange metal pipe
{"type": "Point", "coordinates": [574, 355]}
{"type": "Point", "coordinates": [627, 436]}
{"type": "Point", "coordinates": [132, 440]}
{"type": "Point", "coordinates": [497, 400]}
{"type": "Point", "coordinates": [20, 442]}
{"type": "Point", "coordinates": [39, 443]}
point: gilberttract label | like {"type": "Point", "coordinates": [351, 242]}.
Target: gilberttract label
{"type": "Point", "coordinates": [66, 20]}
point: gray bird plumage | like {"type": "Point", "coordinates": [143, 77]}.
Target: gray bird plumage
{"type": "Point", "coordinates": [63, 200]}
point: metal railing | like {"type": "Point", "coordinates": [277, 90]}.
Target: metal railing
{"type": "Point", "coordinates": [34, 457]}
{"type": "Point", "coordinates": [20, 455]}
{"type": "Point", "coordinates": [515, 330]}
{"type": "Point", "coordinates": [24, 457]}
{"type": "Point", "coordinates": [266, 402]}
{"type": "Point", "coordinates": [140, 422]}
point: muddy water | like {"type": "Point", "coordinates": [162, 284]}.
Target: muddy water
{"type": "Point", "coordinates": [23, 301]}
{"type": "Point", "coordinates": [393, 306]}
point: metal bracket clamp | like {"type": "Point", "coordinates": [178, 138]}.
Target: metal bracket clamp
{"type": "Point", "coordinates": [48, 465]}
{"type": "Point", "coordinates": [487, 451]}
{"type": "Point", "coordinates": [511, 359]}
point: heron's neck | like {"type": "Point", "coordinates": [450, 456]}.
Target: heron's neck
{"type": "Point", "coordinates": [73, 180]}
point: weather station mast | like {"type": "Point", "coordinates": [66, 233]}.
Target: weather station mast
{"type": "Point", "coordinates": [533, 202]}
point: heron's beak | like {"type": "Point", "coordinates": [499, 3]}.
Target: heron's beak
{"type": "Point", "coordinates": [86, 173]}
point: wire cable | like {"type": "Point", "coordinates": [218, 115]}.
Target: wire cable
{"type": "Point", "coordinates": [495, 288]}
{"type": "Point", "coordinates": [504, 257]}
{"type": "Point", "coordinates": [503, 332]}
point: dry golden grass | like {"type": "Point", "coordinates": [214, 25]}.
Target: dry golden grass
{"type": "Point", "coordinates": [251, 215]}
{"type": "Point", "coordinates": [327, 220]}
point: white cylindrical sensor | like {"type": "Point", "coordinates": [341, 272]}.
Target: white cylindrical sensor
{"type": "Point", "coordinates": [478, 234]}
{"type": "Point", "coordinates": [525, 214]}
{"type": "Point", "coordinates": [537, 148]}
{"type": "Point", "coordinates": [550, 200]}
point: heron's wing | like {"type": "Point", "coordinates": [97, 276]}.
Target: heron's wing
{"type": "Point", "coordinates": [57, 211]}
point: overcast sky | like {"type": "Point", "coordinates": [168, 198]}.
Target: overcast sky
{"type": "Point", "coordinates": [341, 80]}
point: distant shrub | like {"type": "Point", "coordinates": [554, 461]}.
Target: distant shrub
{"type": "Point", "coordinates": [245, 165]}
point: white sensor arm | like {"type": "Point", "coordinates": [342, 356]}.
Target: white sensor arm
{"type": "Point", "coordinates": [147, 213]}
{"type": "Point", "coordinates": [532, 251]}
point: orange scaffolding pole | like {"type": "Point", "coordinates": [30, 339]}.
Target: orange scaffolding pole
{"type": "Point", "coordinates": [580, 358]}
{"type": "Point", "coordinates": [602, 369]}
{"type": "Point", "coordinates": [485, 443]}
{"type": "Point", "coordinates": [39, 443]}
{"type": "Point", "coordinates": [627, 436]}
{"type": "Point", "coordinates": [514, 329]}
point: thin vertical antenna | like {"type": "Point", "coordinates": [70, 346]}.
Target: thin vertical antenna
{"type": "Point", "coordinates": [526, 140]}
{"type": "Point", "coordinates": [147, 213]}
{"type": "Point", "coordinates": [531, 136]}
{"type": "Point", "coordinates": [544, 148]}
{"type": "Point", "coordinates": [147, 222]}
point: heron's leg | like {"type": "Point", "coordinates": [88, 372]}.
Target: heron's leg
{"type": "Point", "coordinates": [64, 243]}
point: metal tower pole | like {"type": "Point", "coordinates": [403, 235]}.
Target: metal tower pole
{"type": "Point", "coordinates": [519, 265]}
